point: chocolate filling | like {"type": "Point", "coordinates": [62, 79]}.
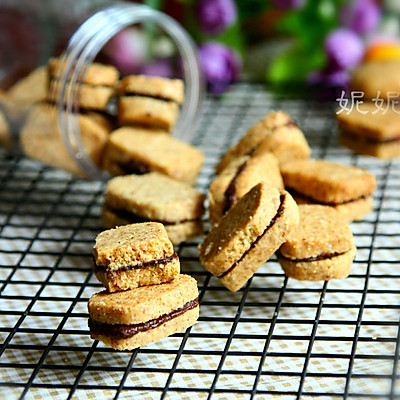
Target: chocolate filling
{"type": "Point", "coordinates": [127, 331]}
{"type": "Point", "coordinates": [152, 263]}
{"type": "Point", "coordinates": [134, 218]}
{"type": "Point", "coordinates": [134, 167]}
{"type": "Point", "coordinates": [272, 222]}
{"type": "Point", "coordinates": [325, 256]}
{"type": "Point", "coordinates": [311, 199]}
{"type": "Point", "coordinates": [230, 192]}
{"type": "Point", "coordinates": [148, 96]}
{"type": "Point", "coordinates": [370, 140]}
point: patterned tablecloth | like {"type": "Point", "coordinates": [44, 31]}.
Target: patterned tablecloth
{"type": "Point", "coordinates": [277, 338]}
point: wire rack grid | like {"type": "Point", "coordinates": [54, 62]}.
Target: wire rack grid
{"type": "Point", "coordinates": [276, 338]}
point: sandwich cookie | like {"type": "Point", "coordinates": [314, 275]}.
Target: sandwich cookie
{"type": "Point", "coordinates": [349, 189]}
{"type": "Point", "coordinates": [371, 131]}
{"type": "Point", "coordinates": [248, 234]}
{"type": "Point", "coordinates": [134, 150]}
{"type": "Point", "coordinates": [237, 178]}
{"type": "Point", "coordinates": [320, 248]}
{"type": "Point", "coordinates": [154, 197]}
{"type": "Point", "coordinates": [132, 318]}
{"type": "Point", "coordinates": [277, 133]}
{"type": "Point", "coordinates": [134, 255]}
{"type": "Point", "coordinates": [149, 101]}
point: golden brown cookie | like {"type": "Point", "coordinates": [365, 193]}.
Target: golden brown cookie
{"type": "Point", "coordinates": [320, 248]}
{"type": "Point", "coordinates": [147, 111]}
{"type": "Point", "coordinates": [133, 150]}
{"type": "Point", "coordinates": [154, 197]}
{"type": "Point", "coordinates": [376, 78]}
{"type": "Point", "coordinates": [134, 255]}
{"type": "Point", "coordinates": [248, 234]}
{"type": "Point", "coordinates": [132, 318]}
{"type": "Point", "coordinates": [349, 189]}
{"type": "Point", "coordinates": [152, 86]}
{"type": "Point", "coordinates": [41, 138]}
{"type": "Point", "coordinates": [31, 89]}
{"type": "Point", "coordinates": [237, 178]}
{"type": "Point", "coordinates": [277, 133]}
{"type": "Point", "coordinates": [370, 130]}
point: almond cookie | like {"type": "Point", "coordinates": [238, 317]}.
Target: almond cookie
{"type": "Point", "coordinates": [134, 255]}
{"type": "Point", "coordinates": [132, 318]}
{"type": "Point", "coordinates": [154, 197]}
{"type": "Point", "coordinates": [150, 101]}
{"type": "Point", "coordinates": [42, 140]}
{"type": "Point", "coordinates": [349, 189]}
{"type": "Point", "coordinates": [371, 131]}
{"type": "Point", "coordinates": [237, 178]}
{"type": "Point", "coordinates": [377, 78]}
{"type": "Point", "coordinates": [153, 86]}
{"type": "Point", "coordinates": [277, 133]}
{"type": "Point", "coordinates": [133, 150]}
{"type": "Point", "coordinates": [96, 89]}
{"type": "Point", "coordinates": [248, 234]}
{"type": "Point", "coordinates": [146, 111]}
{"type": "Point", "coordinates": [320, 248]}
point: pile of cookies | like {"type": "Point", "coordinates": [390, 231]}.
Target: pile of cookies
{"type": "Point", "coordinates": [125, 123]}
{"type": "Point", "coordinates": [369, 120]}
{"type": "Point", "coordinates": [146, 297]}
{"type": "Point", "coordinates": [269, 197]}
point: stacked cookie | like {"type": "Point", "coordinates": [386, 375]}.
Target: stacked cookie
{"type": "Point", "coordinates": [146, 297]}
{"type": "Point", "coordinates": [268, 196]}
{"type": "Point", "coordinates": [125, 123]}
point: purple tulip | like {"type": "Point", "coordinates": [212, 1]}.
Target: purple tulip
{"type": "Point", "coordinates": [220, 64]}
{"type": "Point", "coordinates": [344, 49]}
{"type": "Point", "coordinates": [289, 4]}
{"type": "Point", "coordinates": [362, 16]}
{"type": "Point", "coordinates": [215, 15]}
{"type": "Point", "coordinates": [338, 78]}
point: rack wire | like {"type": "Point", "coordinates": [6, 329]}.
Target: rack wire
{"type": "Point", "coordinates": [276, 338]}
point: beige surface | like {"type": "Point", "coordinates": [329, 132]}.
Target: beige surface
{"type": "Point", "coordinates": [328, 182]}
{"type": "Point", "coordinates": [132, 244]}
{"type": "Point", "coordinates": [153, 86]}
{"type": "Point", "coordinates": [161, 153]}
{"type": "Point", "coordinates": [143, 303]}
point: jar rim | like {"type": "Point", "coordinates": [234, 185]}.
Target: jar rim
{"type": "Point", "coordinates": [82, 49]}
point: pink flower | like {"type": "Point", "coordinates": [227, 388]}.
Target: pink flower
{"type": "Point", "coordinates": [344, 49]}
{"type": "Point", "coordinates": [221, 66]}
{"type": "Point", "coordinates": [362, 16]}
{"type": "Point", "coordinates": [216, 15]}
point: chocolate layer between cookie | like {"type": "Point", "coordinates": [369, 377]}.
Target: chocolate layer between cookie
{"type": "Point", "coordinates": [134, 255]}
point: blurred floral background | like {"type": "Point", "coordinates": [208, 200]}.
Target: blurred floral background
{"type": "Point", "coordinates": [279, 42]}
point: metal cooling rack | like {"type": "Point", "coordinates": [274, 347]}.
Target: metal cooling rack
{"type": "Point", "coordinates": [276, 338]}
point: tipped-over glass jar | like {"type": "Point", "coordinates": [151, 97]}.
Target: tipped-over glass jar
{"type": "Point", "coordinates": [68, 127]}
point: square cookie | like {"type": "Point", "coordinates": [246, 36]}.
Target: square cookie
{"type": "Point", "coordinates": [154, 197]}
{"type": "Point", "coordinates": [134, 255]}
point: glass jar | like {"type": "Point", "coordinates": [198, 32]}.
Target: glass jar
{"type": "Point", "coordinates": [91, 42]}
